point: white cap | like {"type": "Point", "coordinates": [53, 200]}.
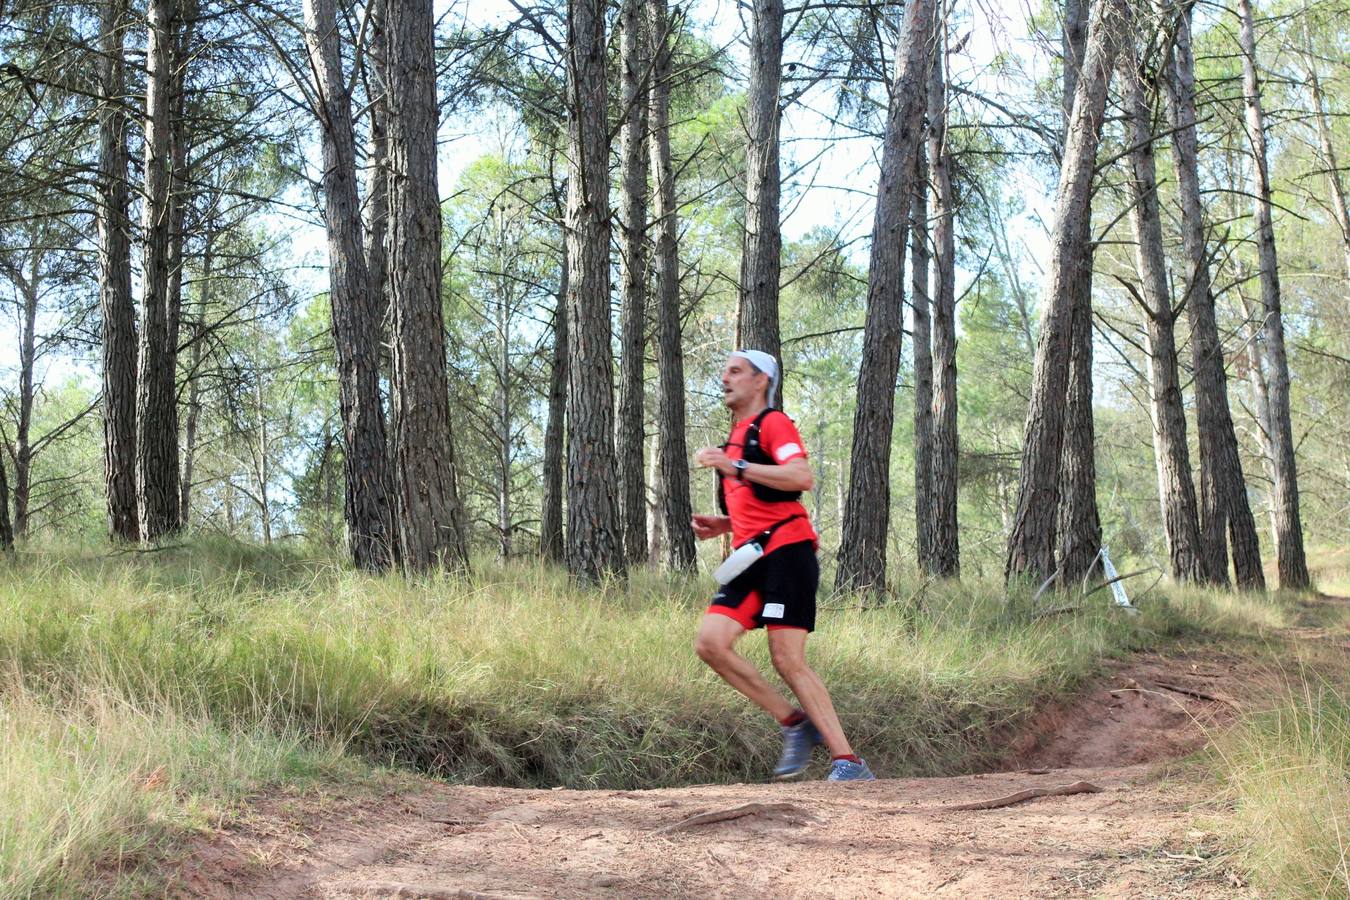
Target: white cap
{"type": "Point", "coordinates": [765, 363]}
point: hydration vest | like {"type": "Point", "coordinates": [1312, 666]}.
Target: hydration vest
{"type": "Point", "coordinates": [753, 452]}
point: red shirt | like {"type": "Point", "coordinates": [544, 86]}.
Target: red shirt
{"type": "Point", "coordinates": [750, 515]}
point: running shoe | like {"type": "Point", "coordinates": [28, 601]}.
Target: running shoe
{"type": "Point", "coordinates": [848, 770]}
{"type": "Point", "coordinates": [798, 742]}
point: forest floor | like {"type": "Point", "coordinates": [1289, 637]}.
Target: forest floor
{"type": "Point", "coordinates": [1145, 826]}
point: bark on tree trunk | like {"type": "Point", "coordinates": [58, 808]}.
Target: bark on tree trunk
{"type": "Point", "coordinates": [1175, 488]}
{"type": "Point", "coordinates": [115, 301]}
{"type": "Point", "coordinates": [1293, 566]}
{"type": "Point", "coordinates": [431, 518]}
{"type": "Point", "coordinates": [862, 552]}
{"type": "Point", "coordinates": [377, 176]}
{"type": "Point", "coordinates": [761, 253]}
{"type": "Point", "coordinates": [6, 532]}
{"type": "Point", "coordinates": [185, 22]}
{"type": "Point", "coordinates": [504, 411]}
{"type": "Point", "coordinates": [368, 508]}
{"type": "Point", "coordinates": [673, 455]}
{"type": "Point", "coordinates": [946, 547]}
{"type": "Point", "coordinates": [262, 473]}
{"type": "Point", "coordinates": [923, 366]}
{"type": "Point", "coordinates": [629, 439]}
{"type": "Point", "coordinates": [1079, 527]}
{"type": "Point", "coordinates": [1256, 371]}
{"type": "Point", "coordinates": [1223, 492]}
{"type": "Point", "coordinates": [1031, 545]}
{"type": "Point", "coordinates": [30, 286]}
{"type": "Point", "coordinates": [594, 545]}
{"type": "Point", "coordinates": [551, 545]}
{"type": "Point", "coordinates": [156, 401]}
{"type": "Point", "coordinates": [656, 504]}
{"type": "Point", "coordinates": [190, 433]}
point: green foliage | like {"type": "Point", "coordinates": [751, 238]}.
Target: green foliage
{"type": "Point", "coordinates": [1287, 776]}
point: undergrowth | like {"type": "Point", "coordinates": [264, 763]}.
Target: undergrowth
{"type": "Point", "coordinates": [1287, 773]}
{"type": "Point", "coordinates": [143, 688]}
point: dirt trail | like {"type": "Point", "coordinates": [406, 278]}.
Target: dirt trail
{"type": "Point", "coordinates": [1137, 836]}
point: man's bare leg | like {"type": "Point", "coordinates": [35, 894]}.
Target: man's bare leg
{"type": "Point", "coordinates": [787, 647]}
{"type": "Point", "coordinates": [715, 645]}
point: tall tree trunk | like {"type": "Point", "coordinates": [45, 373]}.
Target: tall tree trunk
{"type": "Point", "coordinates": [1328, 150]}
{"type": "Point", "coordinates": [761, 252]}
{"type": "Point", "coordinates": [194, 411]}
{"type": "Point", "coordinates": [156, 402]}
{"type": "Point", "coordinates": [862, 553]}
{"type": "Point", "coordinates": [946, 548]}
{"type": "Point", "coordinates": [1223, 491]}
{"type": "Point", "coordinates": [505, 411]}
{"type": "Point", "coordinates": [262, 472]}
{"type": "Point", "coordinates": [551, 545]}
{"type": "Point", "coordinates": [923, 366]}
{"type": "Point", "coordinates": [194, 403]}
{"type": "Point", "coordinates": [431, 519]}
{"type": "Point", "coordinates": [30, 287]}
{"type": "Point", "coordinates": [1031, 545]}
{"type": "Point", "coordinates": [114, 266]}
{"type": "Point", "coordinates": [594, 545]}
{"type": "Point", "coordinates": [377, 176]}
{"type": "Point", "coordinates": [1175, 488]}
{"type": "Point", "coordinates": [1293, 566]}
{"type": "Point", "coordinates": [1079, 527]}
{"type": "Point", "coordinates": [629, 439]}
{"type": "Point", "coordinates": [185, 22]}
{"type": "Point", "coordinates": [6, 532]}
{"type": "Point", "coordinates": [656, 504]}
{"type": "Point", "coordinates": [673, 455]}
{"type": "Point", "coordinates": [368, 508]}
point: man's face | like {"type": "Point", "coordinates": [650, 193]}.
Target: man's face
{"type": "Point", "coordinates": [741, 384]}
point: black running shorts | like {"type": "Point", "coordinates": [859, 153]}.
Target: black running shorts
{"type": "Point", "coordinates": [778, 591]}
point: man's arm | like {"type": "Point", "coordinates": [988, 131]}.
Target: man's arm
{"type": "Point", "coordinates": [793, 475]}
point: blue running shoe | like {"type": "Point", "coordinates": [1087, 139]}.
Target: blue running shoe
{"type": "Point", "coordinates": [848, 770]}
{"type": "Point", "coordinates": [798, 742]}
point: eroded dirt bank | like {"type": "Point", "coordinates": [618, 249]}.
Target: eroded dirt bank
{"type": "Point", "coordinates": [1135, 833]}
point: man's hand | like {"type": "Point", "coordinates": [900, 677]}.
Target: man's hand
{"type": "Point", "coordinates": [710, 526]}
{"type": "Point", "coordinates": [714, 458]}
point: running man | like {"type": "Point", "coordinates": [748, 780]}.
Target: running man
{"type": "Point", "coordinates": [762, 472]}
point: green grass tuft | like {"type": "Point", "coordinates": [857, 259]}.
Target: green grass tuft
{"type": "Point", "coordinates": [1288, 776]}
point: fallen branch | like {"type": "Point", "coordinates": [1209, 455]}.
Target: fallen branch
{"type": "Point", "coordinates": [422, 891]}
{"type": "Point", "coordinates": [738, 812]}
{"type": "Point", "coordinates": [1107, 584]}
{"type": "Point", "coordinates": [1197, 694]}
{"type": "Point", "coordinates": [1078, 787]}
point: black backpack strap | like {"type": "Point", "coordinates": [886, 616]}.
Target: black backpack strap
{"type": "Point", "coordinates": [752, 433]}
{"type": "Point", "coordinates": [763, 536]}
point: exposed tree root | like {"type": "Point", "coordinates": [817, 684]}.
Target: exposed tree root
{"type": "Point", "coordinates": [738, 812]}
{"type": "Point", "coordinates": [421, 892]}
{"type": "Point", "coordinates": [1078, 787]}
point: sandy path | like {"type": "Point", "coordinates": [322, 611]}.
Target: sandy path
{"type": "Point", "coordinates": [1139, 836]}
